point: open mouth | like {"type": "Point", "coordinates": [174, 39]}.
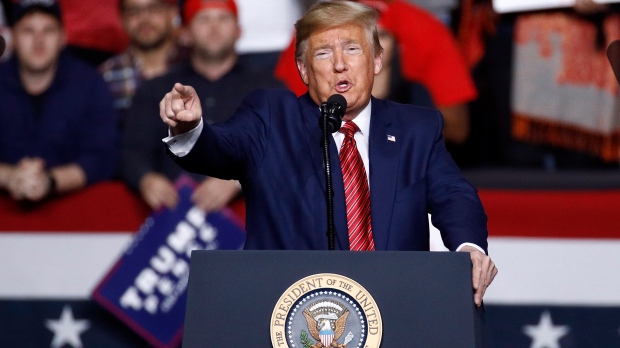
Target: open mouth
{"type": "Point", "coordinates": [342, 86]}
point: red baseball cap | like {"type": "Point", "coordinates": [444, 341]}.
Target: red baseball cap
{"type": "Point", "coordinates": [194, 6]}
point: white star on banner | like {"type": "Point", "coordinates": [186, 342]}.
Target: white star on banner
{"type": "Point", "coordinates": [67, 329]}
{"type": "Point", "coordinates": [545, 334]}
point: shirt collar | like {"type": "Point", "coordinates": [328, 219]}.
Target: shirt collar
{"type": "Point", "coordinates": [363, 119]}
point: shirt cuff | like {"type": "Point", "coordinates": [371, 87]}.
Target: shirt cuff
{"type": "Point", "coordinates": [180, 145]}
{"type": "Point", "coordinates": [471, 245]}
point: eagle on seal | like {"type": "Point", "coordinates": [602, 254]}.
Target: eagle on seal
{"type": "Point", "coordinates": [322, 331]}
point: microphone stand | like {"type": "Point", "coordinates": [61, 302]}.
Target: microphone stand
{"type": "Point", "coordinates": [329, 194]}
{"type": "Point", "coordinates": [331, 119]}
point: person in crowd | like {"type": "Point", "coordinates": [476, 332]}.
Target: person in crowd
{"type": "Point", "coordinates": [394, 165]}
{"type": "Point", "coordinates": [59, 131]}
{"type": "Point", "coordinates": [424, 54]}
{"type": "Point", "coordinates": [151, 26]}
{"type": "Point", "coordinates": [213, 68]}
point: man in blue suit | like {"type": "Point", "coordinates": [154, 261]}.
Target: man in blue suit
{"type": "Point", "coordinates": [273, 146]}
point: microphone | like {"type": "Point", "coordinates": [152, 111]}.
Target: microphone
{"type": "Point", "coordinates": [613, 54]}
{"type": "Point", "coordinates": [2, 45]}
{"type": "Point", "coordinates": [333, 110]}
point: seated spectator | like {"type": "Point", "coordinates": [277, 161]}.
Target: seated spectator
{"type": "Point", "coordinates": [221, 80]}
{"type": "Point", "coordinates": [58, 129]}
{"type": "Point", "coordinates": [152, 49]}
{"type": "Point", "coordinates": [428, 55]}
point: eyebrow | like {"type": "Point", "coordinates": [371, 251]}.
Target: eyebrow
{"type": "Point", "coordinates": [350, 41]}
{"type": "Point", "coordinates": [344, 43]}
{"type": "Point", "coordinates": [322, 47]}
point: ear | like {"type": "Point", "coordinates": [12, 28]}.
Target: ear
{"type": "Point", "coordinates": [303, 71]}
{"type": "Point", "coordinates": [378, 63]}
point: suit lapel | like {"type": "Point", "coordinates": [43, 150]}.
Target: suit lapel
{"type": "Point", "coordinates": [383, 153]}
{"type": "Point", "coordinates": [311, 115]}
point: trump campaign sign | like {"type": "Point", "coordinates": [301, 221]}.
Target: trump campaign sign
{"type": "Point", "coordinates": [146, 288]}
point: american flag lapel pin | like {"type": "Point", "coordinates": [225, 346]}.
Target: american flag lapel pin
{"type": "Point", "coordinates": [391, 138]}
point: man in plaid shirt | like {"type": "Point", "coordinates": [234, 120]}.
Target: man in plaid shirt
{"type": "Point", "coordinates": [151, 27]}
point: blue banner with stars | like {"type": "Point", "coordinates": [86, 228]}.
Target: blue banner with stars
{"type": "Point", "coordinates": [516, 326]}
{"type": "Point", "coordinates": [83, 323]}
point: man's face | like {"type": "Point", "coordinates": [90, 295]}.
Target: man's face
{"type": "Point", "coordinates": [38, 40]}
{"type": "Point", "coordinates": [214, 32]}
{"type": "Point", "coordinates": [148, 22]}
{"type": "Point", "coordinates": [340, 60]}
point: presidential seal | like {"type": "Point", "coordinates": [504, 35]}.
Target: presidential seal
{"type": "Point", "coordinates": [326, 310]}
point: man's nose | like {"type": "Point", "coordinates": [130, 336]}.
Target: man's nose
{"type": "Point", "coordinates": [340, 63]}
{"type": "Point", "coordinates": [39, 38]}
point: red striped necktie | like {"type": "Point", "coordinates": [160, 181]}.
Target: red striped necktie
{"type": "Point", "coordinates": [356, 191]}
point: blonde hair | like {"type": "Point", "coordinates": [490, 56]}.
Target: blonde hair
{"type": "Point", "coordinates": [330, 14]}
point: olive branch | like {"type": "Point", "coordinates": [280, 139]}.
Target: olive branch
{"type": "Point", "coordinates": [305, 340]}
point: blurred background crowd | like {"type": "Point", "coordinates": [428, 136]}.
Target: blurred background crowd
{"type": "Point", "coordinates": [80, 84]}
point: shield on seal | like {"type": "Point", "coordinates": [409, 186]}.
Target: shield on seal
{"type": "Point", "coordinates": [327, 336]}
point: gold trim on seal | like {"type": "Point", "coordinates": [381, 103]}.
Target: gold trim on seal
{"type": "Point", "coordinates": [328, 281]}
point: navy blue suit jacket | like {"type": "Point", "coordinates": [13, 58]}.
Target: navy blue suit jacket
{"type": "Point", "coordinates": [273, 146]}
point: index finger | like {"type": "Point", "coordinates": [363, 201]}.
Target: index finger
{"type": "Point", "coordinates": [183, 90]}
